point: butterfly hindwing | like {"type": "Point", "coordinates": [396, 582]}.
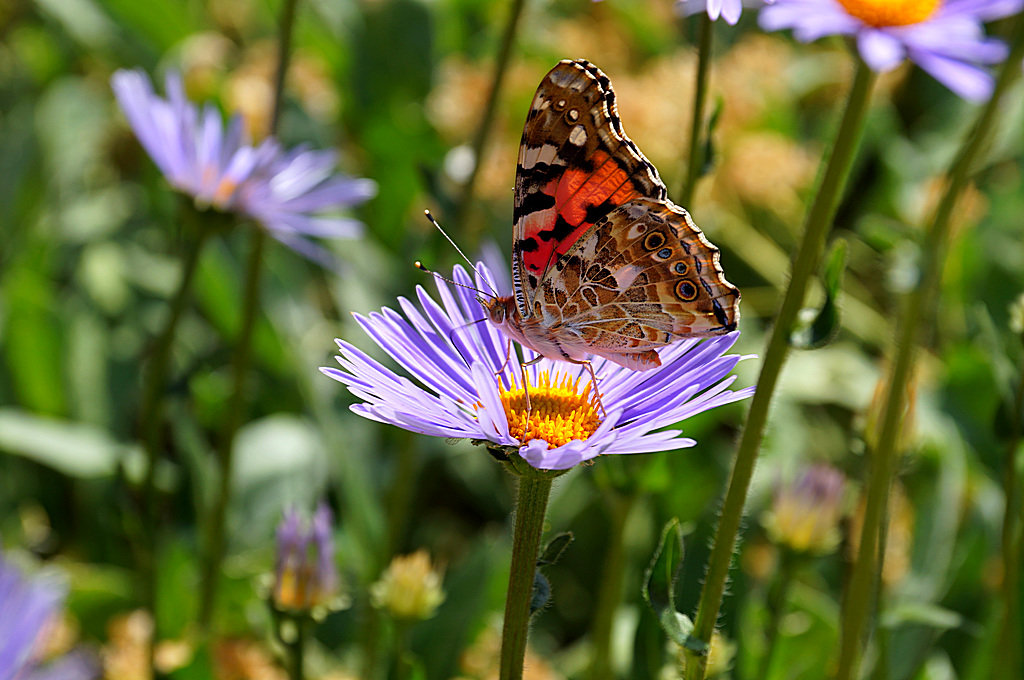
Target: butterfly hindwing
{"type": "Point", "coordinates": [576, 165]}
{"type": "Point", "coordinates": [641, 277]}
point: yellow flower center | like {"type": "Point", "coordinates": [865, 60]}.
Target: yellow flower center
{"type": "Point", "coordinates": [890, 12]}
{"type": "Point", "coordinates": [558, 412]}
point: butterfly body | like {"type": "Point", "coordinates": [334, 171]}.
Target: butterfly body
{"type": "Point", "coordinates": [603, 262]}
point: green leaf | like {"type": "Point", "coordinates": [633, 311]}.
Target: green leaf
{"type": "Point", "coordinates": [709, 137]}
{"type": "Point", "coordinates": [660, 577]}
{"type": "Point", "coordinates": [825, 324]}
{"type": "Point", "coordinates": [552, 552]}
{"type": "Point", "coordinates": [921, 613]}
{"type": "Point", "coordinates": [73, 449]}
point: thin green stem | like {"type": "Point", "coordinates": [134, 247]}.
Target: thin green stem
{"type": "Point", "coordinates": [297, 650]}
{"type": "Point", "coordinates": [403, 666]}
{"type": "Point", "coordinates": [778, 594]}
{"type": "Point", "coordinates": [695, 162]}
{"type": "Point", "coordinates": [1010, 630]}
{"type": "Point", "coordinates": [917, 304]}
{"type": "Point", "coordinates": [241, 357]}
{"type": "Point", "coordinates": [151, 420]}
{"type": "Point", "coordinates": [531, 505]}
{"type": "Point", "coordinates": [805, 263]}
{"type": "Point", "coordinates": [609, 593]}
{"type": "Point", "coordinates": [483, 131]}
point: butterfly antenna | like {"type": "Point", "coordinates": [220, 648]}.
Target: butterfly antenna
{"type": "Point", "coordinates": [419, 265]}
{"type": "Point", "coordinates": [448, 238]}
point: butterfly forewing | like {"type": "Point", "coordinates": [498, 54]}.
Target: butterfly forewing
{"type": "Point", "coordinates": [603, 262]}
{"type": "Point", "coordinates": [575, 166]}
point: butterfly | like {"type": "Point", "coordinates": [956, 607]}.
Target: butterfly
{"type": "Point", "coordinates": [603, 263]}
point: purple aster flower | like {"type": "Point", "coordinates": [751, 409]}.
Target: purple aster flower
{"type": "Point", "coordinates": [27, 606]}
{"type": "Point", "coordinates": [305, 576]}
{"type": "Point", "coordinates": [291, 193]}
{"type": "Point", "coordinates": [943, 37]}
{"type": "Point", "coordinates": [454, 360]}
{"type": "Point", "coordinates": [729, 10]}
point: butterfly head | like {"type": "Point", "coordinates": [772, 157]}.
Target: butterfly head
{"type": "Point", "coordinates": [500, 310]}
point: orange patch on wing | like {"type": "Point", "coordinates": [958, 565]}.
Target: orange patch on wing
{"type": "Point", "coordinates": [578, 190]}
{"type": "Point", "coordinates": [574, 192]}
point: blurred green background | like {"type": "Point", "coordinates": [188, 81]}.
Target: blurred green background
{"type": "Point", "coordinates": [90, 254]}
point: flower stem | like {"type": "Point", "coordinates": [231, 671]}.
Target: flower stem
{"type": "Point", "coordinates": [241, 357]}
{"type": "Point", "coordinates": [778, 593]}
{"type": "Point", "coordinates": [917, 304]}
{"type": "Point", "coordinates": [695, 162]}
{"type": "Point", "coordinates": [483, 131]}
{"type": "Point", "coordinates": [1011, 542]}
{"type": "Point", "coordinates": [805, 263]}
{"type": "Point", "coordinates": [609, 594]}
{"type": "Point", "coordinates": [531, 505]}
{"type": "Point", "coordinates": [297, 651]}
{"type": "Point", "coordinates": [151, 419]}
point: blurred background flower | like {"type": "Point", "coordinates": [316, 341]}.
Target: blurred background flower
{"type": "Point", "coordinates": [30, 608]}
{"type": "Point", "coordinates": [805, 514]}
{"type": "Point", "coordinates": [729, 10]}
{"type": "Point", "coordinates": [291, 193]}
{"type": "Point", "coordinates": [944, 37]}
{"type": "Point", "coordinates": [410, 588]}
{"type": "Point", "coordinates": [305, 575]}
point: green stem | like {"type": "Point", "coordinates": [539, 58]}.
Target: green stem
{"type": "Point", "coordinates": [151, 418]}
{"type": "Point", "coordinates": [483, 131]}
{"type": "Point", "coordinates": [1011, 541]}
{"type": "Point", "coordinates": [805, 263]}
{"type": "Point", "coordinates": [918, 303]}
{"type": "Point", "coordinates": [531, 505]}
{"type": "Point", "coordinates": [403, 487]}
{"type": "Point", "coordinates": [609, 593]}
{"type": "Point", "coordinates": [297, 648]}
{"type": "Point", "coordinates": [403, 667]}
{"type": "Point", "coordinates": [241, 357]}
{"type": "Point", "coordinates": [695, 162]}
{"type": "Point", "coordinates": [777, 596]}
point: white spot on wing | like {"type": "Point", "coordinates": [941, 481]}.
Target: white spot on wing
{"type": "Point", "coordinates": [538, 154]}
{"type": "Point", "coordinates": [578, 136]}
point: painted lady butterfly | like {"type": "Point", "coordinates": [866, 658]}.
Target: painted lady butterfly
{"type": "Point", "coordinates": [603, 262]}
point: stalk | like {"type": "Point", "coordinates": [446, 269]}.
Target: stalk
{"type": "Point", "coordinates": [808, 257]}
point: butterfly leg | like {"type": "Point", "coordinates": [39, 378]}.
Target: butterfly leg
{"type": "Point", "coordinates": [593, 381]}
{"type": "Point", "coordinates": [526, 391]}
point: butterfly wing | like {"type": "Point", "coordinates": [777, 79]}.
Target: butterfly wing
{"type": "Point", "coordinates": [575, 165]}
{"type": "Point", "coordinates": [641, 277]}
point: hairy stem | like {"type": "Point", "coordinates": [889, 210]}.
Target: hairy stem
{"type": "Point", "coordinates": [918, 303]}
{"type": "Point", "coordinates": [805, 263]}
{"type": "Point", "coordinates": [531, 505]}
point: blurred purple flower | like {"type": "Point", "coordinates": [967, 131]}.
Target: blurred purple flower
{"type": "Point", "coordinates": [943, 37]}
{"type": "Point", "coordinates": [288, 192]}
{"type": "Point", "coordinates": [806, 511]}
{"type": "Point", "coordinates": [729, 10]}
{"type": "Point", "coordinates": [454, 362]}
{"type": "Point", "coordinates": [27, 606]}
{"type": "Point", "coordinates": [305, 576]}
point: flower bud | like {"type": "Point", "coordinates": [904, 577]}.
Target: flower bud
{"type": "Point", "coordinates": [410, 587]}
{"type": "Point", "coordinates": [805, 514]}
{"type": "Point", "coordinates": [305, 576]}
